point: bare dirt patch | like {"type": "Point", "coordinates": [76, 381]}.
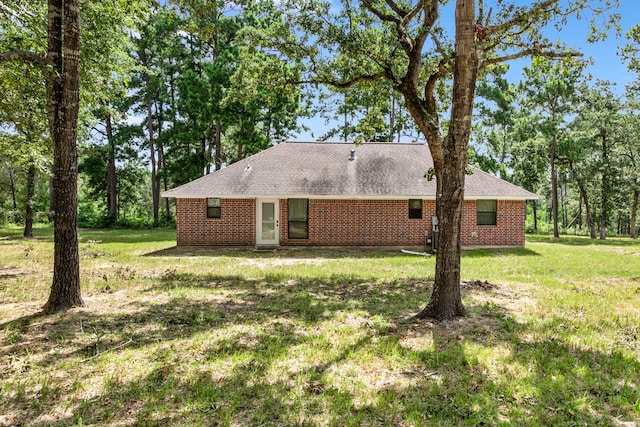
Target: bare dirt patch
{"type": "Point", "coordinates": [12, 272]}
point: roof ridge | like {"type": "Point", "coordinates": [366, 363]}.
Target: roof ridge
{"type": "Point", "coordinates": [411, 143]}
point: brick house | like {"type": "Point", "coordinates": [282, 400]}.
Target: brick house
{"type": "Point", "coordinates": [335, 194]}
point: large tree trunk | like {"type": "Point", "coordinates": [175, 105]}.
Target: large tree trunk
{"type": "Point", "coordinates": [633, 231]}
{"type": "Point", "coordinates": [112, 179]}
{"type": "Point", "coordinates": [31, 190]}
{"type": "Point", "coordinates": [63, 104]}
{"type": "Point", "coordinates": [450, 162]}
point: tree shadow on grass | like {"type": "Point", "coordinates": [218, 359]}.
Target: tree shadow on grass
{"type": "Point", "coordinates": [498, 252]}
{"type": "Point", "coordinates": [285, 252]}
{"type": "Point", "coordinates": [321, 351]}
{"type": "Point", "coordinates": [320, 252]}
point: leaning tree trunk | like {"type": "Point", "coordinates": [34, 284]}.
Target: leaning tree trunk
{"type": "Point", "coordinates": [587, 206]}
{"type": "Point", "coordinates": [450, 165]}
{"type": "Point", "coordinates": [31, 190]}
{"type": "Point", "coordinates": [63, 104]}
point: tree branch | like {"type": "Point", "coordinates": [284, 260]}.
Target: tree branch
{"type": "Point", "coordinates": [534, 51]}
{"type": "Point", "coordinates": [394, 6]}
{"type": "Point", "coordinates": [440, 49]}
{"type": "Point", "coordinates": [380, 14]}
{"type": "Point", "coordinates": [15, 13]}
{"type": "Point", "coordinates": [518, 18]}
{"type": "Point", "coordinates": [413, 46]}
{"type": "Point", "coordinates": [340, 85]}
{"type": "Point", "coordinates": [429, 87]}
{"type": "Point", "coordinates": [98, 131]}
{"type": "Point", "coordinates": [27, 56]}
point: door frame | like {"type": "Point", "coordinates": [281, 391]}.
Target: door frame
{"type": "Point", "coordinates": [276, 207]}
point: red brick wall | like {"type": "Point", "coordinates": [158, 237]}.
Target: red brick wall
{"type": "Point", "coordinates": [361, 223]}
{"type": "Point", "coordinates": [345, 222]}
{"type": "Point", "coordinates": [235, 227]}
{"type": "Point", "coordinates": [508, 231]}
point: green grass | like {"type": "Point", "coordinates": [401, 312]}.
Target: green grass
{"type": "Point", "coordinates": [320, 336]}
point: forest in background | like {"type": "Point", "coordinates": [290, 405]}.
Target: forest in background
{"type": "Point", "coordinates": [174, 91]}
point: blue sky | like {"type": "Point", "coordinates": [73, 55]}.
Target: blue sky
{"type": "Point", "coordinates": [607, 65]}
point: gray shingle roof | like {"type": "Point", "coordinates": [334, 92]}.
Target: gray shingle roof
{"type": "Point", "coordinates": [323, 169]}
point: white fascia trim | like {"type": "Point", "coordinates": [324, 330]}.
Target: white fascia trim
{"type": "Point", "coordinates": [525, 198]}
{"type": "Point", "coordinates": [300, 196]}
{"type": "Point", "coordinates": [339, 197]}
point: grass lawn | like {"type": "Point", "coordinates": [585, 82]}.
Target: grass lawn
{"type": "Point", "coordinates": [202, 336]}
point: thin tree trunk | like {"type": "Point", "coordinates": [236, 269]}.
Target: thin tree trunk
{"type": "Point", "coordinates": [554, 187]}
{"type": "Point", "coordinates": [161, 161]}
{"type": "Point", "coordinates": [346, 123]}
{"type": "Point", "coordinates": [63, 104]}
{"type": "Point", "coordinates": [165, 182]}
{"type": "Point", "coordinates": [587, 207]}
{"type": "Point", "coordinates": [604, 214]}
{"type": "Point", "coordinates": [155, 193]}
{"type": "Point", "coordinates": [12, 184]}
{"type": "Point", "coordinates": [399, 120]}
{"type": "Point", "coordinates": [31, 190]}
{"type": "Point", "coordinates": [535, 215]}
{"type": "Point", "coordinates": [579, 218]}
{"type": "Point", "coordinates": [392, 118]}
{"type": "Point", "coordinates": [203, 156]}
{"type": "Point", "coordinates": [565, 207]}
{"type": "Point", "coordinates": [218, 160]}
{"type": "Point", "coordinates": [633, 230]}
{"type": "Point", "coordinates": [112, 179]}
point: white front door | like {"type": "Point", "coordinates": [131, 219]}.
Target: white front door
{"type": "Point", "coordinates": [268, 222]}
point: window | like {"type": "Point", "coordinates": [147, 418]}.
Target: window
{"type": "Point", "coordinates": [415, 208]}
{"type": "Point", "coordinates": [298, 218]}
{"type": "Point", "coordinates": [213, 207]}
{"type": "Point", "coordinates": [486, 210]}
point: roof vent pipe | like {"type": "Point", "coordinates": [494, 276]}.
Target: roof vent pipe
{"type": "Point", "coordinates": [352, 156]}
